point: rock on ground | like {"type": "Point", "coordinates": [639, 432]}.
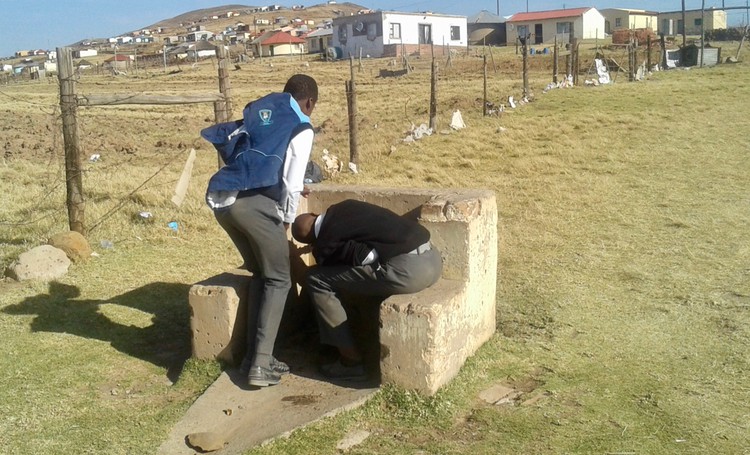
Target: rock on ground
{"type": "Point", "coordinates": [73, 244]}
{"type": "Point", "coordinates": [352, 439]}
{"type": "Point", "coordinates": [44, 262]}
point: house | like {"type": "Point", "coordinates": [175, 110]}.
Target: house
{"type": "Point", "coordinates": [670, 23]}
{"type": "Point", "coordinates": [278, 43]}
{"type": "Point", "coordinates": [201, 49]}
{"type": "Point", "coordinates": [81, 53]}
{"type": "Point", "coordinates": [563, 24]}
{"type": "Point", "coordinates": [50, 66]}
{"type": "Point", "coordinates": [30, 69]}
{"type": "Point", "coordinates": [203, 35]}
{"type": "Point", "coordinates": [84, 64]}
{"type": "Point", "coordinates": [486, 28]}
{"type": "Point", "coordinates": [118, 62]}
{"type": "Point", "coordinates": [628, 19]}
{"type": "Point", "coordinates": [173, 39]}
{"type": "Point", "coordinates": [389, 33]}
{"type": "Point", "coordinates": [319, 40]}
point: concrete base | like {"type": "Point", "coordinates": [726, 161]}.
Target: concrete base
{"type": "Point", "coordinates": [424, 337]}
{"type": "Point", "coordinates": [239, 418]}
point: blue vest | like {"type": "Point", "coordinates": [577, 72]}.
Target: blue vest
{"type": "Point", "coordinates": [254, 148]}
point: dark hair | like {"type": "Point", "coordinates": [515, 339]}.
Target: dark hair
{"type": "Point", "coordinates": [301, 87]}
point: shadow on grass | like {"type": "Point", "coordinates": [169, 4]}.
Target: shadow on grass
{"type": "Point", "coordinates": [165, 343]}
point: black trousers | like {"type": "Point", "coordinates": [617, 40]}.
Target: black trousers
{"type": "Point", "coordinates": [403, 274]}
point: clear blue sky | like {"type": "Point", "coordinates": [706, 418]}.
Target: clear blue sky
{"type": "Point", "coordinates": [46, 24]}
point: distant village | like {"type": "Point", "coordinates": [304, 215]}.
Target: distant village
{"type": "Point", "coordinates": [274, 30]}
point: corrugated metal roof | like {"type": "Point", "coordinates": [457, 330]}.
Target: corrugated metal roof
{"type": "Point", "coordinates": [552, 14]}
{"type": "Point", "coordinates": [485, 17]}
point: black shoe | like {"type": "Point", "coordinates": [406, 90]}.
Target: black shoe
{"type": "Point", "coordinates": [339, 371]}
{"type": "Point", "coordinates": [278, 366]}
{"type": "Point", "coordinates": [262, 377]}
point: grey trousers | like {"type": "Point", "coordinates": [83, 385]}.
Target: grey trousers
{"type": "Point", "coordinates": [404, 274]}
{"type": "Point", "coordinates": [255, 226]}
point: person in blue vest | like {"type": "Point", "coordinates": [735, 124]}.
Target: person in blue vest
{"type": "Point", "coordinates": [254, 198]}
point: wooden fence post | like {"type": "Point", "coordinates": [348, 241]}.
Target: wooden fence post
{"type": "Point", "coordinates": [555, 62]}
{"type": "Point", "coordinates": [574, 60]}
{"type": "Point", "coordinates": [484, 103]}
{"type": "Point", "coordinates": [73, 172]}
{"type": "Point", "coordinates": [663, 51]}
{"type": "Point", "coordinates": [525, 52]}
{"type": "Point", "coordinates": [351, 103]}
{"type": "Point", "coordinates": [433, 95]}
{"type": "Point", "coordinates": [648, 55]}
{"type": "Point", "coordinates": [225, 86]}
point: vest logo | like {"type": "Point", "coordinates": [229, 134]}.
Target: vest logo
{"type": "Point", "coordinates": [265, 116]}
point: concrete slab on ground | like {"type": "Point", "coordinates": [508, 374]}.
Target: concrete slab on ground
{"type": "Point", "coordinates": [243, 417]}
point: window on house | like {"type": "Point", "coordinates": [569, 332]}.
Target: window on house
{"type": "Point", "coordinates": [564, 27]}
{"type": "Point", "coordinates": [618, 22]}
{"type": "Point", "coordinates": [523, 32]}
{"type": "Point", "coordinates": [680, 26]}
{"type": "Point", "coordinates": [698, 22]}
{"type": "Point", "coordinates": [395, 31]}
{"type": "Point", "coordinates": [455, 33]}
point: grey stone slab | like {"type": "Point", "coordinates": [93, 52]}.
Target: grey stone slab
{"type": "Point", "coordinates": [244, 417]}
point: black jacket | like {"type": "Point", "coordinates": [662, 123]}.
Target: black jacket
{"type": "Point", "coordinates": [351, 229]}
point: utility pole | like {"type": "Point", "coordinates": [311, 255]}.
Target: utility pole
{"type": "Point", "coordinates": [684, 27]}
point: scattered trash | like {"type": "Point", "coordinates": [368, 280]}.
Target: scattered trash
{"type": "Point", "coordinates": [457, 121]}
{"type": "Point", "coordinates": [418, 133]}
{"type": "Point", "coordinates": [493, 109]}
{"type": "Point", "coordinates": [565, 83]}
{"type": "Point", "coordinates": [95, 157]}
{"type": "Point", "coordinates": [501, 129]}
{"type": "Point", "coordinates": [173, 225]}
{"type": "Point", "coordinates": [313, 173]}
{"type": "Point", "coordinates": [228, 412]}
{"type": "Point", "coordinates": [331, 164]}
{"type": "Point", "coordinates": [106, 244]}
{"type": "Point", "coordinates": [145, 215]}
{"type": "Point", "coordinates": [511, 102]}
{"type": "Point", "coordinates": [353, 168]}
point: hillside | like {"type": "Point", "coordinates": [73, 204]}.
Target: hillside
{"type": "Point", "coordinates": [317, 13]}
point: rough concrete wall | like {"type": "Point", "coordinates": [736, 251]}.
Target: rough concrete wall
{"type": "Point", "coordinates": [217, 318]}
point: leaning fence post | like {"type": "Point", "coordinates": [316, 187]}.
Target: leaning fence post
{"type": "Point", "coordinates": [73, 172]}
{"type": "Point", "coordinates": [351, 103]}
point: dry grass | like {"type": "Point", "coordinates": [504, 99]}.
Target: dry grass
{"type": "Point", "coordinates": [622, 285]}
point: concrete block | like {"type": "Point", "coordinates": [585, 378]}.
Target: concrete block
{"type": "Point", "coordinates": [218, 316]}
{"type": "Point", "coordinates": [425, 337]}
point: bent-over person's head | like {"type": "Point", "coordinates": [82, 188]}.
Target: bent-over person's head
{"type": "Point", "coordinates": [304, 89]}
{"type": "Point", "coordinates": [303, 228]}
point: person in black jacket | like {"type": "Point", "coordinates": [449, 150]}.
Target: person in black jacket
{"type": "Point", "coordinates": [367, 250]}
